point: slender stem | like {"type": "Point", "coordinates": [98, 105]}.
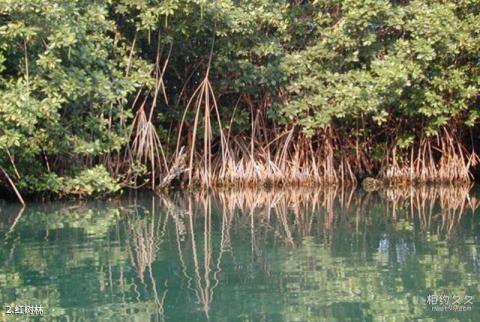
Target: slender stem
{"type": "Point", "coordinates": [12, 184]}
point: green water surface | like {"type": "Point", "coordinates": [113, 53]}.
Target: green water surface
{"type": "Point", "coordinates": [287, 255]}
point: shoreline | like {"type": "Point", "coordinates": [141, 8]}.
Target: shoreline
{"type": "Point", "coordinates": [233, 188]}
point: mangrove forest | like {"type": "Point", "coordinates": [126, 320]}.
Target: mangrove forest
{"type": "Point", "coordinates": [240, 160]}
{"type": "Point", "coordinates": [102, 95]}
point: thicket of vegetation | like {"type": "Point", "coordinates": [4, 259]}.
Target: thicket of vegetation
{"type": "Point", "coordinates": [99, 95]}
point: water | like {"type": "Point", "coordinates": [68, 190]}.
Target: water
{"type": "Point", "coordinates": [288, 255]}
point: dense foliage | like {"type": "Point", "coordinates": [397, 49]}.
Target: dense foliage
{"type": "Point", "coordinates": [255, 90]}
{"type": "Point", "coordinates": [63, 89]}
{"type": "Point", "coordinates": [409, 65]}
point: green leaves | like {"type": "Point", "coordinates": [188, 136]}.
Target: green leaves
{"type": "Point", "coordinates": [70, 71]}
{"type": "Point", "coordinates": [91, 181]}
{"type": "Point", "coordinates": [61, 69]}
{"type": "Point", "coordinates": [415, 62]}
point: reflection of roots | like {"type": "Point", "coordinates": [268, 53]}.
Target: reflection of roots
{"type": "Point", "coordinates": [145, 244]}
{"type": "Point", "coordinates": [203, 274]}
{"type": "Point", "coordinates": [284, 215]}
{"type": "Point", "coordinates": [442, 205]}
{"type": "Point", "coordinates": [297, 210]}
{"type": "Point", "coordinates": [296, 213]}
{"type": "Point", "coordinates": [144, 237]}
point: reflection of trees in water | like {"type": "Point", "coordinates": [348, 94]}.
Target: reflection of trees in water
{"type": "Point", "coordinates": [289, 215]}
{"type": "Point", "coordinates": [45, 240]}
{"type": "Point", "coordinates": [287, 218]}
{"type": "Point", "coordinates": [306, 222]}
{"type": "Point", "coordinates": [437, 209]}
{"type": "Point", "coordinates": [193, 228]}
{"type": "Point", "coordinates": [145, 233]}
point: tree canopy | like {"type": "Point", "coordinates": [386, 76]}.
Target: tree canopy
{"type": "Point", "coordinates": [255, 90]}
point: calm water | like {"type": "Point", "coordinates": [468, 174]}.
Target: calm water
{"type": "Point", "coordinates": [289, 255]}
